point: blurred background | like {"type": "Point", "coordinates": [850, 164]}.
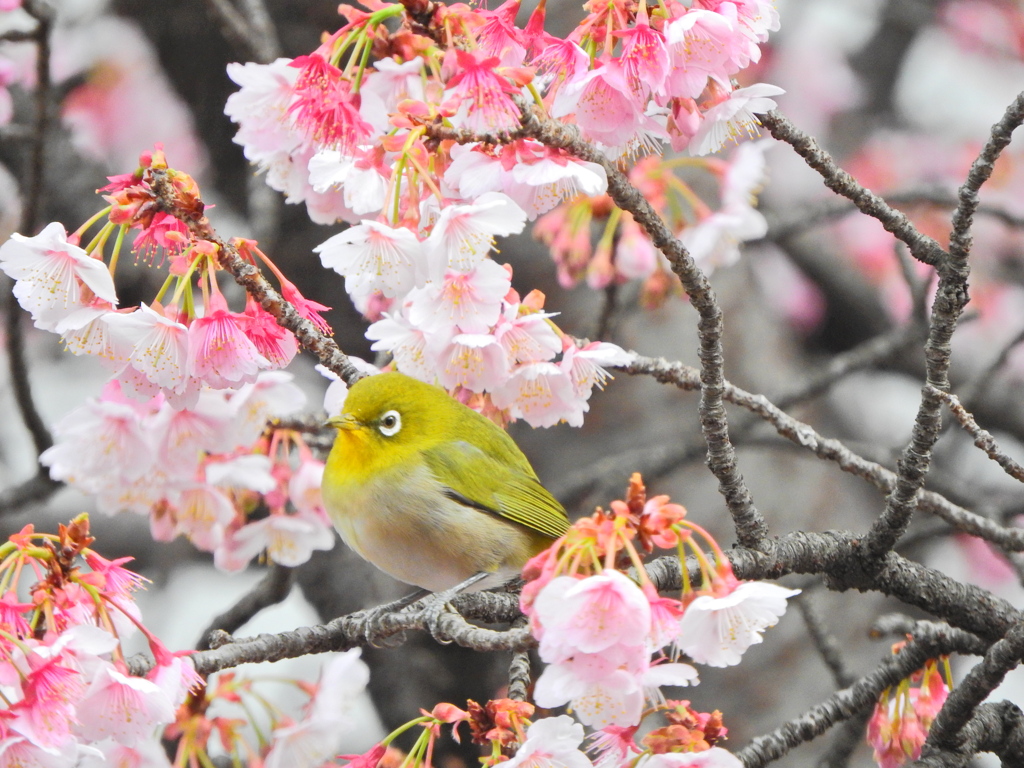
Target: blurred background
{"type": "Point", "coordinates": [902, 92]}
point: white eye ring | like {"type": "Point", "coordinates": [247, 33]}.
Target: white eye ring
{"type": "Point", "coordinates": [390, 423]}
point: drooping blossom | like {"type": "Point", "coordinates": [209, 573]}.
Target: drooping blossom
{"type": "Point", "coordinates": [716, 630]}
{"type": "Point", "coordinates": [54, 277]}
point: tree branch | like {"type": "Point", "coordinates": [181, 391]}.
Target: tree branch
{"type": "Point", "coordinates": [751, 529]}
{"type": "Point", "coordinates": [950, 298]}
{"type": "Point", "coordinates": [252, 280]}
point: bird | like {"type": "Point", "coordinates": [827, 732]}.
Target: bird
{"type": "Point", "coordinates": [432, 492]}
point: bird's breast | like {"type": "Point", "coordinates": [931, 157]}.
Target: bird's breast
{"type": "Point", "coordinates": [401, 521]}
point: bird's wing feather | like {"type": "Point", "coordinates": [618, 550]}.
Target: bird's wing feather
{"type": "Point", "coordinates": [477, 480]}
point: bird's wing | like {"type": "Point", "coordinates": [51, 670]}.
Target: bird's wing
{"type": "Point", "coordinates": [473, 478]}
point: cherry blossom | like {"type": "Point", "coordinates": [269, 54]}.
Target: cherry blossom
{"type": "Point", "coordinates": [124, 708]}
{"type": "Point", "coordinates": [715, 757]}
{"type": "Point", "coordinates": [590, 615]}
{"type": "Point", "coordinates": [552, 742]}
{"type": "Point", "coordinates": [734, 117]}
{"type": "Point", "coordinates": [471, 301]}
{"type": "Point", "coordinates": [716, 630]}
{"type": "Point", "coordinates": [54, 277]}
{"type": "Point", "coordinates": [463, 234]}
{"type": "Point", "coordinates": [374, 257]}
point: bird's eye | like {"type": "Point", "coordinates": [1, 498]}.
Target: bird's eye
{"type": "Point", "coordinates": [390, 423]}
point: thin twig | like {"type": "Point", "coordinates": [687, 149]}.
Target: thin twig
{"type": "Point", "coordinates": [924, 248]}
{"type": "Point", "coordinates": [950, 299]}
{"type": "Point", "coordinates": [252, 280]}
{"type": "Point", "coordinates": [519, 673]}
{"type": "Point", "coordinates": [821, 212]}
{"type": "Point", "coordinates": [846, 703]}
{"type": "Point", "coordinates": [41, 485]}
{"type": "Point", "coordinates": [982, 438]}
{"type": "Point", "coordinates": [271, 590]}
{"type": "Point", "coordinates": [252, 33]}
{"type": "Point", "coordinates": [824, 642]}
{"type": "Point", "coordinates": [830, 449]}
{"type": "Point", "coordinates": [983, 678]}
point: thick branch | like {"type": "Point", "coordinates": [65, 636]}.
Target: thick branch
{"type": "Point", "coordinates": [830, 449]}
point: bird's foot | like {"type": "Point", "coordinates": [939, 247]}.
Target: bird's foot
{"type": "Point", "coordinates": [433, 608]}
{"type": "Point", "coordinates": [372, 624]}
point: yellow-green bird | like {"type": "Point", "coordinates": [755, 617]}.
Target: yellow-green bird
{"type": "Point", "coordinates": [430, 491]}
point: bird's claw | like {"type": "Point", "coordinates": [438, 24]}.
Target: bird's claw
{"type": "Point", "coordinates": [433, 609]}
{"type": "Point", "coordinates": [371, 626]}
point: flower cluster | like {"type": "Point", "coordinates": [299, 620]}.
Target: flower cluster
{"type": "Point", "coordinates": [598, 628]}
{"type": "Point", "coordinates": [356, 130]}
{"type": "Point", "coordinates": [174, 345]}
{"type": "Point", "coordinates": [902, 718]}
{"type": "Point", "coordinates": [623, 251]}
{"type": "Point", "coordinates": [180, 431]}
{"type": "Point", "coordinates": [688, 738]}
{"type": "Point", "coordinates": [69, 699]}
{"type": "Point", "coordinates": [311, 740]}
{"type": "Point", "coordinates": [213, 472]}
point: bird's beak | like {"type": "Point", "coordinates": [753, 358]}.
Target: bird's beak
{"type": "Point", "coordinates": [343, 421]}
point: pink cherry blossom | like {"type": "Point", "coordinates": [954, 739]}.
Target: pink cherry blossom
{"type": "Point", "coordinates": [499, 36]}
{"type": "Point", "coordinates": [251, 471]}
{"type": "Point", "coordinates": [386, 85]}
{"type": "Point", "coordinates": [220, 354]}
{"type": "Point", "coordinates": [17, 751]}
{"type": "Point", "coordinates": [273, 394]}
{"type": "Point", "coordinates": [159, 346]}
{"type": "Point", "coordinates": [325, 105]}
{"type": "Point", "coordinates": [260, 109]}
{"type": "Point", "coordinates": [699, 44]}
{"type": "Point", "coordinates": [362, 179]}
{"type": "Point", "coordinates": [645, 59]}
{"type": "Point", "coordinates": [614, 746]}
{"type": "Point", "coordinates": [470, 300]}
{"type": "Point", "coordinates": [304, 488]}
{"type": "Point", "coordinates": [715, 757]}
{"type": "Point", "coordinates": [733, 118]}
{"type": "Point", "coordinates": [127, 709]}
{"type": "Point", "coordinates": [53, 277]}
{"type": "Point", "coordinates": [475, 361]}
{"type": "Point", "coordinates": [528, 337]}
{"type": "Point", "coordinates": [585, 365]}
{"type": "Point", "coordinates": [608, 688]}
{"type": "Point", "coordinates": [288, 539]}
{"type": "Point", "coordinates": [542, 393]}
{"type": "Point", "coordinates": [182, 435]}
{"type": "Point", "coordinates": [606, 108]}
{"type": "Point", "coordinates": [51, 692]}
{"type": "Point", "coordinates": [464, 234]}
{"type": "Point", "coordinates": [98, 440]}
{"type": "Point", "coordinates": [374, 257]}
{"type": "Point", "coordinates": [87, 331]}
{"type": "Point", "coordinates": [278, 345]}
{"type": "Point", "coordinates": [483, 96]}
{"type": "Point", "coordinates": [203, 515]}
{"type": "Point", "coordinates": [590, 615]}
{"type": "Point", "coordinates": [551, 742]}
{"type": "Point", "coordinates": [407, 343]}
{"type": "Point", "coordinates": [717, 630]}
